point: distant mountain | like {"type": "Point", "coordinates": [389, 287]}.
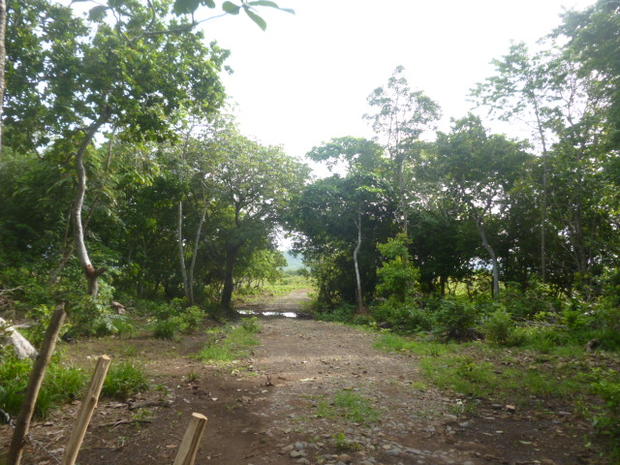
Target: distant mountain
{"type": "Point", "coordinates": [293, 262]}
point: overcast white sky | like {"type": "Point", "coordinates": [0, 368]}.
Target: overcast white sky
{"type": "Point", "coordinates": [306, 79]}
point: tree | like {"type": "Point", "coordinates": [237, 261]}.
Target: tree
{"type": "Point", "coordinates": [364, 191]}
{"type": "Point", "coordinates": [3, 13]}
{"type": "Point", "coordinates": [594, 44]}
{"type": "Point", "coordinates": [255, 184]}
{"type": "Point", "coordinates": [118, 76]}
{"type": "Point", "coordinates": [401, 116]}
{"type": "Point", "coordinates": [477, 171]}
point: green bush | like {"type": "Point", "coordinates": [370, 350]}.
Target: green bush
{"type": "Point", "coordinates": [455, 319]}
{"type": "Point", "coordinates": [499, 327]}
{"type": "Point", "coordinates": [60, 385]}
{"type": "Point", "coordinates": [175, 317]}
{"type": "Point", "coordinates": [124, 380]}
{"type": "Point", "coordinates": [343, 313]}
{"type": "Point", "coordinates": [406, 317]}
{"type": "Point", "coordinates": [166, 329]}
{"type": "Point", "coordinates": [397, 275]}
{"type": "Point", "coordinates": [251, 325]}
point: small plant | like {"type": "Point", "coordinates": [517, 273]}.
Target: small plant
{"type": "Point", "coordinates": [192, 377]}
{"type": "Point", "coordinates": [455, 319]}
{"type": "Point", "coordinates": [124, 380]}
{"type": "Point", "coordinates": [251, 325]}
{"type": "Point", "coordinates": [344, 444]}
{"type": "Point", "coordinates": [166, 329]}
{"type": "Point", "coordinates": [499, 327]}
{"type": "Point", "coordinates": [235, 345]}
{"type": "Point", "coordinates": [61, 384]}
{"type": "Point", "coordinates": [350, 406]}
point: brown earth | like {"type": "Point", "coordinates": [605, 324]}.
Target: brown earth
{"type": "Point", "coordinates": [275, 407]}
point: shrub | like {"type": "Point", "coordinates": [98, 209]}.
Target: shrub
{"type": "Point", "coordinates": [166, 329]}
{"type": "Point", "coordinates": [60, 385]}
{"type": "Point", "coordinates": [397, 275]}
{"type": "Point", "coordinates": [499, 327]}
{"type": "Point", "coordinates": [343, 313]}
{"type": "Point", "coordinates": [251, 325]}
{"type": "Point", "coordinates": [124, 380]}
{"type": "Point", "coordinates": [407, 317]}
{"type": "Point", "coordinates": [455, 319]}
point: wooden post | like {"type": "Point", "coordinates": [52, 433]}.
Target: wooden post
{"type": "Point", "coordinates": [22, 425]}
{"type": "Point", "coordinates": [86, 411]}
{"type": "Point", "coordinates": [191, 440]}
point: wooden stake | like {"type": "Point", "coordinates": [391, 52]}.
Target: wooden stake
{"type": "Point", "coordinates": [86, 411]}
{"type": "Point", "coordinates": [191, 440]}
{"type": "Point", "coordinates": [22, 425]}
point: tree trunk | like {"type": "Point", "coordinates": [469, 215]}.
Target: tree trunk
{"type": "Point", "coordinates": [182, 252]}
{"type": "Point", "coordinates": [192, 266]}
{"type": "Point", "coordinates": [227, 291]}
{"type": "Point", "coordinates": [22, 425]}
{"type": "Point", "coordinates": [92, 274]}
{"type": "Point", "coordinates": [3, 14]}
{"type": "Point", "coordinates": [358, 280]}
{"type": "Point", "coordinates": [543, 202]}
{"type": "Point", "coordinates": [492, 255]}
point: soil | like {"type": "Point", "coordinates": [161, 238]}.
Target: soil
{"type": "Point", "coordinates": [268, 409]}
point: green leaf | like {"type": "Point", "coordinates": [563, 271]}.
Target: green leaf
{"type": "Point", "coordinates": [186, 6]}
{"type": "Point", "coordinates": [264, 3]}
{"type": "Point", "coordinates": [270, 4]}
{"type": "Point", "coordinates": [257, 19]}
{"type": "Point", "coordinates": [208, 3]}
{"type": "Point", "coordinates": [97, 13]}
{"type": "Point", "coordinates": [231, 8]}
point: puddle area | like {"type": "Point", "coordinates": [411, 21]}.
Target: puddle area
{"type": "Point", "coordinates": [276, 314]}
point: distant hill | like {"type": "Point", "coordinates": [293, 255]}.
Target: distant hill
{"type": "Point", "coordinates": [293, 262]}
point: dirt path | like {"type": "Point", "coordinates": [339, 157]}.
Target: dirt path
{"type": "Point", "coordinates": [283, 406]}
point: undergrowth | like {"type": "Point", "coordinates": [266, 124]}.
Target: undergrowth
{"type": "Point", "coordinates": [62, 384]}
{"type": "Point", "coordinates": [350, 406]}
{"type": "Point", "coordinates": [230, 343]}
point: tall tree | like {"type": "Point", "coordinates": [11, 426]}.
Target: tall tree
{"type": "Point", "coordinates": [364, 191]}
{"type": "Point", "coordinates": [119, 75]}
{"type": "Point", "coordinates": [477, 170]}
{"type": "Point", "coordinates": [399, 118]}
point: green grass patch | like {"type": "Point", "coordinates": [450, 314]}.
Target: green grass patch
{"type": "Point", "coordinates": [61, 384]}
{"type": "Point", "coordinates": [393, 343]}
{"type": "Point", "coordinates": [124, 380]}
{"type": "Point", "coordinates": [231, 342]}
{"type": "Point", "coordinates": [349, 405]}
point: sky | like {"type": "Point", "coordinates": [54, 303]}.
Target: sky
{"type": "Point", "coordinates": [307, 77]}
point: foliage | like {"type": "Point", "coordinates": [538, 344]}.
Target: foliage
{"type": "Point", "coordinates": [397, 275]}
{"type": "Point", "coordinates": [499, 327]}
{"type": "Point", "coordinates": [61, 384]}
{"type": "Point", "coordinates": [231, 343]}
{"type": "Point", "coordinates": [125, 380]}
{"type": "Point", "coordinates": [455, 319]}
{"type": "Point", "coordinates": [350, 406]}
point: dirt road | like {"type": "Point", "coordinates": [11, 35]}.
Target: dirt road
{"type": "Point", "coordinates": [312, 393]}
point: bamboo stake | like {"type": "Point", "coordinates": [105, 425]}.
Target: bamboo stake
{"type": "Point", "coordinates": [191, 440]}
{"type": "Point", "coordinates": [22, 425]}
{"type": "Point", "coordinates": [86, 411]}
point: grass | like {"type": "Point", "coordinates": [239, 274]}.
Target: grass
{"type": "Point", "coordinates": [348, 405]}
{"type": "Point", "coordinates": [125, 380]}
{"type": "Point", "coordinates": [394, 343]}
{"type": "Point", "coordinates": [231, 342]}
{"type": "Point", "coordinates": [283, 286]}
{"type": "Point", "coordinates": [61, 384]}
{"type": "Point", "coordinates": [481, 370]}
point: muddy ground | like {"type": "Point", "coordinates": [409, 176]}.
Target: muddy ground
{"type": "Point", "coordinates": [276, 407]}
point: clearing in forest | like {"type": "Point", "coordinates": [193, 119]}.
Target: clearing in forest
{"type": "Point", "coordinates": [311, 392]}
